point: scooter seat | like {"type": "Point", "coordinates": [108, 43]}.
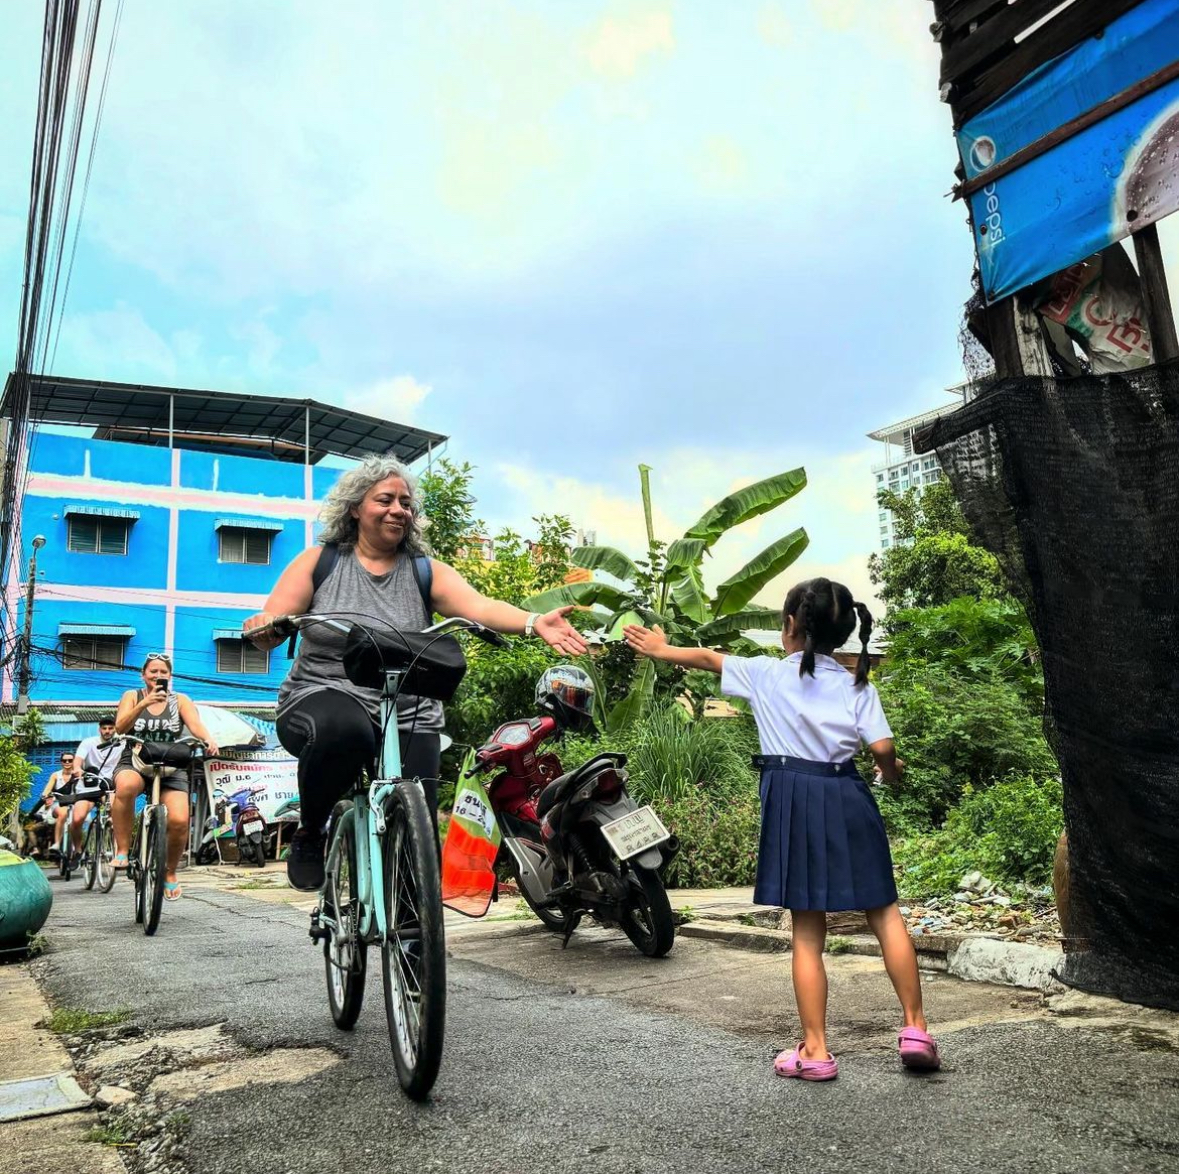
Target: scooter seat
{"type": "Point", "coordinates": [560, 788]}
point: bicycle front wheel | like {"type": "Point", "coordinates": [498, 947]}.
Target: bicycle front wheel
{"type": "Point", "coordinates": [90, 855]}
{"type": "Point", "coordinates": [413, 955]}
{"type": "Point", "coordinates": [345, 956]}
{"type": "Point", "coordinates": [155, 828]}
{"type": "Point", "coordinates": [106, 854]}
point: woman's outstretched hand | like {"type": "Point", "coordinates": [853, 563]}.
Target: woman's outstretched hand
{"type": "Point", "coordinates": [646, 641]}
{"type": "Point", "coordinates": [556, 631]}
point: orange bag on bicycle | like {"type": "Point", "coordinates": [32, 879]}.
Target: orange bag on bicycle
{"type": "Point", "coordinates": [469, 852]}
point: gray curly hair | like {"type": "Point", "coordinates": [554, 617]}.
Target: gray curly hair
{"type": "Point", "coordinates": [338, 524]}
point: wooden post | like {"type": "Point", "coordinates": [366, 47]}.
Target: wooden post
{"type": "Point", "coordinates": [1017, 340]}
{"type": "Point", "coordinates": [1155, 296]}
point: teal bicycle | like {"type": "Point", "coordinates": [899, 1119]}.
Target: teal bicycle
{"type": "Point", "coordinates": [381, 881]}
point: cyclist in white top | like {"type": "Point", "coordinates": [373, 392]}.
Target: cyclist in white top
{"type": "Point", "coordinates": [98, 754]}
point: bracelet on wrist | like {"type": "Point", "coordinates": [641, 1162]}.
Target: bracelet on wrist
{"type": "Point", "coordinates": [530, 623]}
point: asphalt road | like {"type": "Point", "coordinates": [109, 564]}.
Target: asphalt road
{"type": "Point", "coordinates": [542, 1075]}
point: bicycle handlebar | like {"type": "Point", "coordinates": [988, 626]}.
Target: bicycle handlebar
{"type": "Point", "coordinates": [285, 626]}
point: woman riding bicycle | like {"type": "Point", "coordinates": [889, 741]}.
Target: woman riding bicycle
{"type": "Point", "coordinates": [155, 714]}
{"type": "Point", "coordinates": [371, 565]}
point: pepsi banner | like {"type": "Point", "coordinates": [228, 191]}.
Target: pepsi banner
{"type": "Point", "coordinates": [1095, 187]}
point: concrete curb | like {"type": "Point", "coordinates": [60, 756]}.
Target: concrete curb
{"type": "Point", "coordinates": [971, 958]}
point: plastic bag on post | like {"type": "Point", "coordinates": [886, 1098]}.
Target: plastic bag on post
{"type": "Point", "coordinates": [469, 852]}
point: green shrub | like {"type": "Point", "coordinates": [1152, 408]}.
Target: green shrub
{"type": "Point", "coordinates": [1007, 831]}
{"type": "Point", "coordinates": [718, 840]}
{"type": "Point", "coordinates": [956, 733]}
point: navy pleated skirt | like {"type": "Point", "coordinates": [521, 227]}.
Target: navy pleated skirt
{"type": "Point", "coordinates": [823, 844]}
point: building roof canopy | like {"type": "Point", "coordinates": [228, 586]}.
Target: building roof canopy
{"type": "Point", "coordinates": [281, 426]}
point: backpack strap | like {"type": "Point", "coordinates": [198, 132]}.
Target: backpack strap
{"type": "Point", "coordinates": [324, 565]}
{"type": "Point", "coordinates": [423, 573]}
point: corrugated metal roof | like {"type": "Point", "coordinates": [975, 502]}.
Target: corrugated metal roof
{"type": "Point", "coordinates": [268, 729]}
{"type": "Point", "coordinates": [271, 524]}
{"type": "Point", "coordinates": [70, 733]}
{"type": "Point", "coordinates": [102, 511]}
{"type": "Point", "coordinates": [121, 630]}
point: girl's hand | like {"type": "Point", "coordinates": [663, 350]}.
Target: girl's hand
{"type": "Point", "coordinates": [211, 748]}
{"type": "Point", "coordinates": [557, 632]}
{"type": "Point", "coordinates": [646, 641]}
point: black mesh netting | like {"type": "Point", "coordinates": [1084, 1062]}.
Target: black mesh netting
{"type": "Point", "coordinates": [1074, 485]}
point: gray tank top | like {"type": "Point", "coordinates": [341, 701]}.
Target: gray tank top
{"type": "Point", "coordinates": [158, 727]}
{"type": "Point", "coordinates": [351, 591]}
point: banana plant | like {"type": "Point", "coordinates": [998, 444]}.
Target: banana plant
{"type": "Point", "coordinates": [667, 588]}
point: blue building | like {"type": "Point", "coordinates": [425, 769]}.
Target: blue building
{"type": "Point", "coordinates": [165, 526]}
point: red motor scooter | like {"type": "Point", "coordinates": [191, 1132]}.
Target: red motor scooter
{"type": "Point", "coordinates": [576, 843]}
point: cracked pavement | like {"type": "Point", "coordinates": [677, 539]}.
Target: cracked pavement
{"type": "Point", "coordinates": [596, 1059]}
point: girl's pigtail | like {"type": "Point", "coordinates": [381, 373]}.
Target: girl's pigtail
{"type": "Point", "coordinates": [864, 663]}
{"type": "Point", "coordinates": [806, 615]}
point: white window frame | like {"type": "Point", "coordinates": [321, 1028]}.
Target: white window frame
{"type": "Point", "coordinates": [104, 654]}
{"type": "Point", "coordinates": [100, 524]}
{"type": "Point", "coordinates": [228, 536]}
{"type": "Point", "coordinates": [244, 650]}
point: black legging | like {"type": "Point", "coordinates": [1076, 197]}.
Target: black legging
{"type": "Point", "coordinates": [335, 740]}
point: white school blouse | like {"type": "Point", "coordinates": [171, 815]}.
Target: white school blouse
{"type": "Point", "coordinates": [824, 718]}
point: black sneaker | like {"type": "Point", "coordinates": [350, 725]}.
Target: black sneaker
{"type": "Point", "coordinates": [305, 862]}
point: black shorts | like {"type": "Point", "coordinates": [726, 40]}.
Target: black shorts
{"type": "Point", "coordinates": [174, 778]}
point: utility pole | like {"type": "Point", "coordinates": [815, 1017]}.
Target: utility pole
{"type": "Point", "coordinates": [26, 646]}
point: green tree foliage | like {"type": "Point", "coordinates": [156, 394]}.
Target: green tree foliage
{"type": "Point", "coordinates": [667, 586]}
{"type": "Point", "coordinates": [933, 559]}
{"type": "Point", "coordinates": [449, 507]}
{"type": "Point", "coordinates": [16, 771]}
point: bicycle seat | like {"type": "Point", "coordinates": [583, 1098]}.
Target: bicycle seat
{"type": "Point", "coordinates": [434, 665]}
{"type": "Point", "coordinates": [560, 788]}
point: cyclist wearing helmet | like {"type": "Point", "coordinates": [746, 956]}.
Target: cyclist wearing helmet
{"type": "Point", "coordinates": [371, 565]}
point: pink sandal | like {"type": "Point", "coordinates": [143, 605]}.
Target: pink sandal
{"type": "Point", "coordinates": [796, 1064]}
{"type": "Point", "coordinates": [918, 1051]}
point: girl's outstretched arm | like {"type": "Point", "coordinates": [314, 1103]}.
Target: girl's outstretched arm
{"type": "Point", "coordinates": [889, 767]}
{"type": "Point", "coordinates": [653, 643]}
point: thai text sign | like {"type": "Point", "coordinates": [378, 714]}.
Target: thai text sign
{"type": "Point", "coordinates": [274, 772]}
{"type": "Point", "coordinates": [1100, 184]}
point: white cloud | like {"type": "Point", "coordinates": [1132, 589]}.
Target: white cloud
{"type": "Point", "coordinates": [773, 25]}
{"type": "Point", "coordinates": [618, 45]}
{"type": "Point", "coordinates": [118, 344]}
{"type": "Point", "coordinates": [396, 399]}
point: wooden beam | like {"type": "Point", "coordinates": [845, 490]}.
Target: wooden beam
{"type": "Point", "coordinates": [974, 92]}
{"type": "Point", "coordinates": [1067, 130]}
{"type": "Point", "coordinates": [1017, 340]}
{"type": "Point", "coordinates": [993, 36]}
{"type": "Point", "coordinates": [1155, 295]}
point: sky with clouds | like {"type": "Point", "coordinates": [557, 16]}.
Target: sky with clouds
{"type": "Point", "coordinates": [711, 236]}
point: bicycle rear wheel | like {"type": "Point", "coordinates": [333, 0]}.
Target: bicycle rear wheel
{"type": "Point", "coordinates": [155, 828]}
{"type": "Point", "coordinates": [90, 854]}
{"type": "Point", "coordinates": [106, 853]}
{"type": "Point", "coordinates": [413, 955]}
{"type": "Point", "coordinates": [345, 956]}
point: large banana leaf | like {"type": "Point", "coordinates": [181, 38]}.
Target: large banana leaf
{"type": "Point", "coordinates": [605, 558]}
{"type": "Point", "coordinates": [684, 552]}
{"type": "Point", "coordinates": [635, 703]}
{"type": "Point", "coordinates": [620, 620]}
{"type": "Point", "coordinates": [583, 594]}
{"type": "Point", "coordinates": [747, 503]}
{"type": "Point", "coordinates": [687, 592]}
{"type": "Point", "coordinates": [599, 705]}
{"type": "Point", "coordinates": [752, 619]}
{"type": "Point", "coordinates": [737, 590]}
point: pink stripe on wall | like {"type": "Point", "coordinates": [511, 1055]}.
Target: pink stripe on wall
{"type": "Point", "coordinates": [171, 496]}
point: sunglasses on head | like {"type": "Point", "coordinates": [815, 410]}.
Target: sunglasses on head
{"type": "Point", "coordinates": [158, 656]}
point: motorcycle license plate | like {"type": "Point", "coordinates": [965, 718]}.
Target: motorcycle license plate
{"type": "Point", "coordinates": [255, 825]}
{"type": "Point", "coordinates": [635, 832]}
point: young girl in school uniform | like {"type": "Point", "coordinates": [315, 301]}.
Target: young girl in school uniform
{"type": "Point", "coordinates": [823, 845]}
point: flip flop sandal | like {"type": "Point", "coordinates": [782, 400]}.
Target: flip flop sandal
{"type": "Point", "coordinates": [797, 1065]}
{"type": "Point", "coordinates": [172, 891]}
{"type": "Point", "coordinates": [120, 862]}
{"type": "Point", "coordinates": [918, 1051]}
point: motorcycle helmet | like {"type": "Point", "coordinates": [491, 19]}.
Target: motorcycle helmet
{"type": "Point", "coordinates": [567, 693]}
